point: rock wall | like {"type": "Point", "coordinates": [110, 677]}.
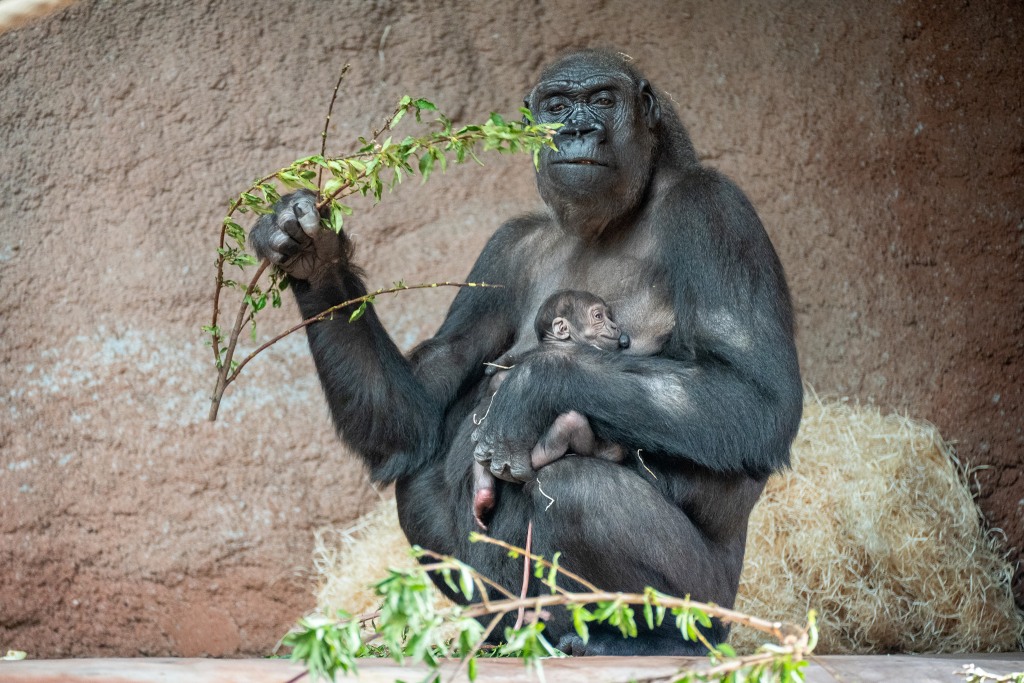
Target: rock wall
{"type": "Point", "coordinates": [883, 144]}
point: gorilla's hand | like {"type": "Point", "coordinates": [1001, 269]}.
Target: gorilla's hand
{"type": "Point", "coordinates": [293, 239]}
{"type": "Point", "coordinates": [505, 459]}
{"type": "Point", "coordinates": [504, 439]}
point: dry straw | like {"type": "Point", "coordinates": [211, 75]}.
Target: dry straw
{"type": "Point", "coordinates": [874, 526]}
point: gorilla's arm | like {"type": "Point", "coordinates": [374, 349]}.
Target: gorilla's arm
{"type": "Point", "coordinates": [725, 391]}
{"type": "Point", "coordinates": [389, 409]}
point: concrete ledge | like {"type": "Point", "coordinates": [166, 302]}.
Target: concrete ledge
{"type": "Point", "coordinates": [829, 669]}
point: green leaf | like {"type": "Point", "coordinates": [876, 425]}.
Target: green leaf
{"type": "Point", "coordinates": [399, 114]}
{"type": "Point", "coordinates": [297, 180]}
{"type": "Point", "coordinates": [446, 572]}
{"type": "Point", "coordinates": [337, 219]}
{"type": "Point", "coordinates": [235, 232]}
{"type": "Point", "coordinates": [358, 313]}
{"type": "Point", "coordinates": [553, 573]}
{"type": "Point", "coordinates": [334, 185]}
{"type": "Point", "coordinates": [580, 616]}
{"type": "Point", "coordinates": [270, 192]}
{"type": "Point", "coordinates": [649, 615]}
{"type": "Point", "coordinates": [426, 166]}
{"type": "Point", "coordinates": [466, 581]}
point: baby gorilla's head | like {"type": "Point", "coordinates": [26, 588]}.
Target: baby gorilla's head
{"type": "Point", "coordinates": [579, 317]}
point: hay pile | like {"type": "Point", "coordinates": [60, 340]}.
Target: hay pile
{"type": "Point", "coordinates": [348, 561]}
{"type": "Point", "coordinates": [874, 527]}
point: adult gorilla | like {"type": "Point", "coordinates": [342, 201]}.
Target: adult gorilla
{"type": "Point", "coordinates": [708, 394]}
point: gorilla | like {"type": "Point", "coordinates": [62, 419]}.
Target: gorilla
{"type": "Point", "coordinates": [708, 391]}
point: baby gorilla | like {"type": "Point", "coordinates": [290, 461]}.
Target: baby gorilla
{"type": "Point", "coordinates": [567, 318]}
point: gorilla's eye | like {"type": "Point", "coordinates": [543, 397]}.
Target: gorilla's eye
{"type": "Point", "coordinates": [557, 107]}
{"type": "Point", "coordinates": [604, 101]}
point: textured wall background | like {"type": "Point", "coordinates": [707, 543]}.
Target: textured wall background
{"type": "Point", "coordinates": [883, 144]}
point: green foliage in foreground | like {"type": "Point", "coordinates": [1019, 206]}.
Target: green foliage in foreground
{"type": "Point", "coordinates": [409, 628]}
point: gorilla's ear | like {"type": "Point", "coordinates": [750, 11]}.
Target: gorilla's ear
{"type": "Point", "coordinates": [560, 328]}
{"type": "Point", "coordinates": [526, 105]}
{"type": "Point", "coordinates": [652, 108]}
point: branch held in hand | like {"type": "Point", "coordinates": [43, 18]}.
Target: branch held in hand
{"type": "Point", "coordinates": [362, 172]}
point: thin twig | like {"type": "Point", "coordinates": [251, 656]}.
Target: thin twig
{"type": "Point", "coordinates": [513, 604]}
{"type": "Point", "coordinates": [323, 136]}
{"type": "Point", "coordinates": [536, 558]}
{"type": "Point", "coordinates": [223, 378]}
{"type": "Point", "coordinates": [526, 573]}
{"type": "Point", "coordinates": [455, 564]}
{"type": "Point", "coordinates": [333, 309]}
{"type": "Point", "coordinates": [781, 631]}
{"type": "Point", "coordinates": [219, 280]}
{"type": "Point", "coordinates": [717, 669]}
{"type": "Point", "coordinates": [476, 648]}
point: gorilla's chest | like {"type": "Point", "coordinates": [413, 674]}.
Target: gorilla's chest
{"type": "Point", "coordinates": [629, 280]}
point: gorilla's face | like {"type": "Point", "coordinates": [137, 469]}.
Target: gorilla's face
{"type": "Point", "coordinates": [606, 142]}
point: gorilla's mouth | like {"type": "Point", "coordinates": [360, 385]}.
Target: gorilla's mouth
{"type": "Point", "coordinates": [580, 162]}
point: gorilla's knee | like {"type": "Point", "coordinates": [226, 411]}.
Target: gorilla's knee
{"type": "Point", "coordinates": [577, 486]}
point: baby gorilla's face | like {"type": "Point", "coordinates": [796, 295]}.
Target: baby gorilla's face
{"type": "Point", "coordinates": [600, 330]}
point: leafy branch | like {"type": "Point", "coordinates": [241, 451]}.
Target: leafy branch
{"type": "Point", "coordinates": [975, 674]}
{"type": "Point", "coordinates": [376, 165]}
{"type": "Point", "coordinates": [407, 625]}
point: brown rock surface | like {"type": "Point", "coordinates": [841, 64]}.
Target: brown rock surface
{"type": "Point", "coordinates": [883, 144]}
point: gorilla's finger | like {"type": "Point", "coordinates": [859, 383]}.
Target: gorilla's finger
{"type": "Point", "coordinates": [309, 218]}
{"type": "Point", "coordinates": [283, 244]}
{"type": "Point", "coordinates": [289, 225]}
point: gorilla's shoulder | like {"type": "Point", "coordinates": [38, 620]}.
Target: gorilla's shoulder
{"type": "Point", "coordinates": [518, 231]}
{"type": "Point", "coordinates": [700, 184]}
{"type": "Point", "coordinates": [522, 226]}
{"type": "Point", "coordinates": [705, 195]}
